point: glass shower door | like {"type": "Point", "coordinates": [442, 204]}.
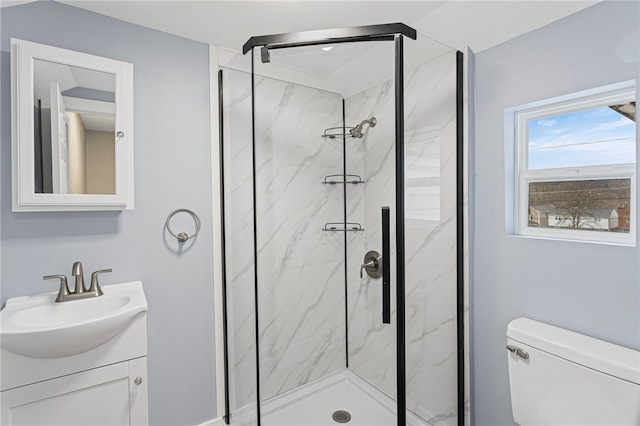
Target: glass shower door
{"type": "Point", "coordinates": [371, 300]}
{"type": "Point", "coordinates": [323, 154]}
{"type": "Point", "coordinates": [432, 200]}
{"type": "Point", "coordinates": [239, 270]}
{"type": "Point", "coordinates": [300, 265]}
{"type": "Point", "coordinates": [415, 360]}
{"type": "Point", "coordinates": [327, 162]}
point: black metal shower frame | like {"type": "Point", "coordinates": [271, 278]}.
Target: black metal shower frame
{"type": "Point", "coordinates": [384, 32]}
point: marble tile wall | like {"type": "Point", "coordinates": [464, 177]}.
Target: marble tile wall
{"type": "Point", "coordinates": [372, 352]}
{"type": "Point", "coordinates": [300, 266]}
{"type": "Point", "coordinates": [430, 231]}
{"type": "Point", "coordinates": [431, 247]}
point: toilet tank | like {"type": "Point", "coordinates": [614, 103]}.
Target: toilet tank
{"type": "Point", "coordinates": [558, 377]}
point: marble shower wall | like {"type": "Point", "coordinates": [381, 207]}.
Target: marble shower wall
{"type": "Point", "coordinates": [430, 121]}
{"type": "Point", "coordinates": [372, 352]}
{"type": "Point", "coordinates": [430, 229]}
{"type": "Point", "coordinates": [300, 266]}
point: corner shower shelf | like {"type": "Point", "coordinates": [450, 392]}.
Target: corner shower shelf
{"type": "Point", "coordinates": [343, 227]}
{"type": "Point", "coordinates": [337, 132]}
{"type": "Point", "coordinates": [352, 179]}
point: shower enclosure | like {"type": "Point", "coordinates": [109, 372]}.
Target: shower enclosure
{"type": "Point", "coordinates": [342, 226]}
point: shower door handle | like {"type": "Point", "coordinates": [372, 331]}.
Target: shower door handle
{"type": "Point", "coordinates": [386, 268]}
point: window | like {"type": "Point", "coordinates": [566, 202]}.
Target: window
{"type": "Point", "coordinates": [576, 166]}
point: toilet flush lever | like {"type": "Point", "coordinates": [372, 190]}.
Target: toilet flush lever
{"type": "Point", "coordinates": [516, 350]}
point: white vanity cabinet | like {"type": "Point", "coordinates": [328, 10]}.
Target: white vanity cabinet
{"type": "Point", "coordinates": [110, 395]}
{"type": "Point", "coordinates": [45, 383]}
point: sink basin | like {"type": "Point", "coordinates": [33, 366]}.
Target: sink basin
{"type": "Point", "coordinates": [37, 326]}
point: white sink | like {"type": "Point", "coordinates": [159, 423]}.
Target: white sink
{"type": "Point", "coordinates": [37, 326]}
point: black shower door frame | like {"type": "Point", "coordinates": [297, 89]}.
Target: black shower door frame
{"type": "Point", "coordinates": [395, 32]}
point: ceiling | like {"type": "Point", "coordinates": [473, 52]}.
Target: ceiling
{"type": "Point", "coordinates": [478, 24]}
{"type": "Point", "coordinates": [347, 69]}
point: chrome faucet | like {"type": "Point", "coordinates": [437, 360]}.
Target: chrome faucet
{"type": "Point", "coordinates": [80, 292]}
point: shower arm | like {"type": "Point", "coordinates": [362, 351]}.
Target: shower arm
{"type": "Point", "coordinates": [370, 121]}
{"type": "Point", "coordinates": [357, 131]}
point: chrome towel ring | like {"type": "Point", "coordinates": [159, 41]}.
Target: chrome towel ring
{"type": "Point", "coordinates": [182, 236]}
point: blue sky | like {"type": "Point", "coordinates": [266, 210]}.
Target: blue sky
{"type": "Point", "coordinates": [599, 136]}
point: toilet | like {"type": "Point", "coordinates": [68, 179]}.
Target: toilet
{"type": "Point", "coordinates": [558, 377]}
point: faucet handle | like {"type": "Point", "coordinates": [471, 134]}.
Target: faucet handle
{"type": "Point", "coordinates": [370, 264]}
{"type": "Point", "coordinates": [64, 288]}
{"type": "Point", "coordinates": [95, 286]}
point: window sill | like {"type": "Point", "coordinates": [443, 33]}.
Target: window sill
{"type": "Point", "coordinates": [614, 239]}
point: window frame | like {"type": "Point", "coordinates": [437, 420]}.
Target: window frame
{"type": "Point", "coordinates": [603, 96]}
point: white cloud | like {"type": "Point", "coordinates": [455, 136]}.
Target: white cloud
{"type": "Point", "coordinates": [547, 123]}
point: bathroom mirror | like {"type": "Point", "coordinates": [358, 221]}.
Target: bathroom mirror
{"type": "Point", "coordinates": [72, 130]}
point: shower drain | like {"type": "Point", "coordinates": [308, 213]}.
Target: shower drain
{"type": "Point", "coordinates": [341, 416]}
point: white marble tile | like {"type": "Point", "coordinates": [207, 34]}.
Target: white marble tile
{"type": "Point", "coordinates": [300, 267]}
{"type": "Point", "coordinates": [430, 240]}
{"type": "Point", "coordinates": [372, 343]}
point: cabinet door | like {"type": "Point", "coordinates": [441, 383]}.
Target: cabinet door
{"type": "Point", "coordinates": [96, 397]}
{"type": "Point", "coordinates": [138, 392]}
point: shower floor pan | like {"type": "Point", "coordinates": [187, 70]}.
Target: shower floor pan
{"type": "Point", "coordinates": [315, 403]}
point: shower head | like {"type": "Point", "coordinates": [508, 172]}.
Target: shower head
{"type": "Point", "coordinates": [356, 132]}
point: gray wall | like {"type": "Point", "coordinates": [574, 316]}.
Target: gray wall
{"type": "Point", "coordinates": [589, 288]}
{"type": "Point", "coordinates": [172, 170]}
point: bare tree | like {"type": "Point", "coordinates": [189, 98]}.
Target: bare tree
{"type": "Point", "coordinates": [577, 197]}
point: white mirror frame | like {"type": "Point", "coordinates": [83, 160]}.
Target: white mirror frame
{"type": "Point", "coordinates": [23, 54]}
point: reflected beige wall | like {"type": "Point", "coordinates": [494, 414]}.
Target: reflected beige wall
{"type": "Point", "coordinates": [101, 162]}
{"type": "Point", "coordinates": [77, 158]}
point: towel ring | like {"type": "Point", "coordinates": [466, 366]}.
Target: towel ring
{"type": "Point", "coordinates": [182, 236]}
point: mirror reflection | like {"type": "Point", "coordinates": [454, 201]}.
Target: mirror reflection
{"type": "Point", "coordinates": [74, 123]}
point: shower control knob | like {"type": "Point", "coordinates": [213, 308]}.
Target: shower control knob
{"type": "Point", "coordinates": [138, 380]}
{"type": "Point", "coordinates": [372, 264]}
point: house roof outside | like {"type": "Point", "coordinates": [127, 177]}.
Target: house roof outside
{"type": "Point", "coordinates": [601, 213]}
{"type": "Point", "coordinates": [595, 213]}
{"type": "Point", "coordinates": [544, 208]}
{"type": "Point", "coordinates": [628, 110]}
